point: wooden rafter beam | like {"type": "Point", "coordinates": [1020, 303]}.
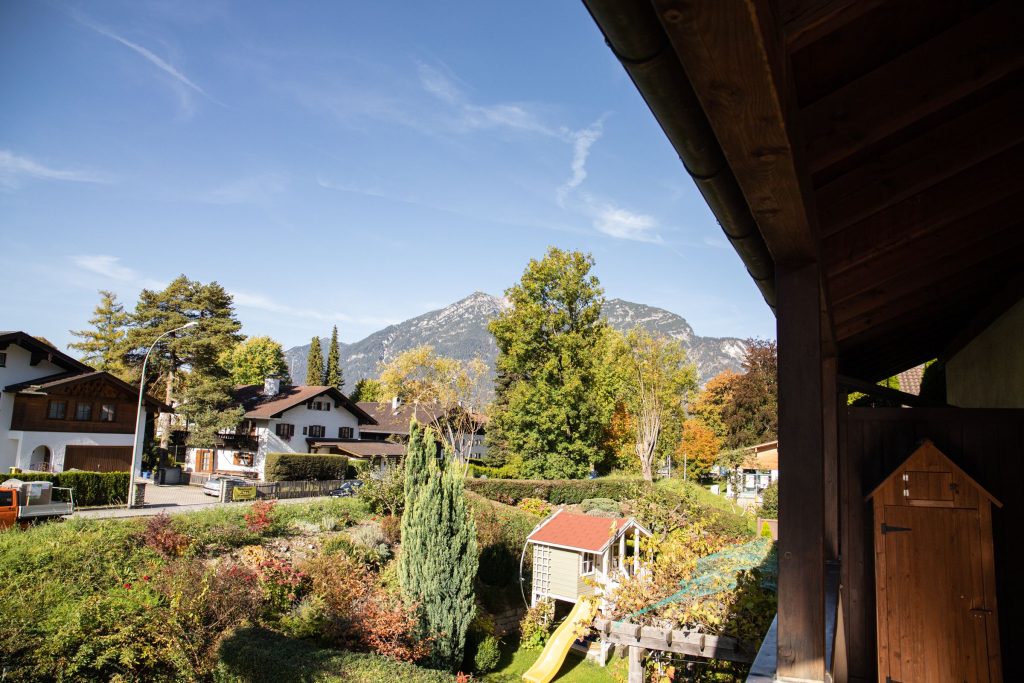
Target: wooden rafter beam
{"type": "Point", "coordinates": [954, 64]}
{"type": "Point", "coordinates": [953, 199]}
{"type": "Point", "coordinates": [807, 21]}
{"type": "Point", "coordinates": [733, 55]}
{"type": "Point", "coordinates": [938, 154]}
{"type": "Point", "coordinates": [958, 246]}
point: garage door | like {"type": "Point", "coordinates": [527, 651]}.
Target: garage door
{"type": "Point", "coordinates": [98, 458]}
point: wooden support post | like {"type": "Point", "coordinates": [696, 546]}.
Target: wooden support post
{"type": "Point", "coordinates": [801, 633]}
{"type": "Point", "coordinates": [636, 551]}
{"type": "Point", "coordinates": [830, 452]}
{"type": "Point", "coordinates": [636, 664]}
{"type": "Point", "coordinates": [622, 553]}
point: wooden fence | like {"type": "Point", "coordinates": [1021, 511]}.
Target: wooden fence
{"type": "Point", "coordinates": [682, 642]}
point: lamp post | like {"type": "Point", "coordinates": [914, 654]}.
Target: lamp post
{"type": "Point", "coordinates": [136, 444]}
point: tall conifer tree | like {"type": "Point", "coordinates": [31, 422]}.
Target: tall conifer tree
{"type": "Point", "coordinates": [439, 550]}
{"type": "Point", "coordinates": [101, 346]}
{"type": "Point", "coordinates": [334, 377]}
{"type": "Point", "coordinates": [315, 364]}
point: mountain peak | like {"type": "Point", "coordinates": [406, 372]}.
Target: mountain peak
{"type": "Point", "coordinates": [459, 330]}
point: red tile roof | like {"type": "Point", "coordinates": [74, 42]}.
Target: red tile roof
{"type": "Point", "coordinates": [256, 405]}
{"type": "Point", "coordinates": [579, 532]}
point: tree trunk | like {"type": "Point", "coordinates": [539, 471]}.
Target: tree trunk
{"type": "Point", "coordinates": [165, 418]}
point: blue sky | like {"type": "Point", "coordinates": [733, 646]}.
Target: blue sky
{"type": "Point", "coordinates": [336, 163]}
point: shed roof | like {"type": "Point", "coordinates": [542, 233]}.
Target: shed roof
{"type": "Point", "coordinates": [361, 449]}
{"type": "Point", "coordinates": [581, 532]}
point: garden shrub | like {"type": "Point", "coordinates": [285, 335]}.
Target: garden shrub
{"type": "Point", "coordinates": [304, 467]}
{"type": "Point", "coordinates": [160, 536]}
{"type": "Point", "coordinates": [506, 471]}
{"type": "Point", "coordinates": [557, 491]}
{"type": "Point", "coordinates": [535, 506]}
{"type": "Point", "coordinates": [260, 517]}
{"type": "Point", "coordinates": [356, 468]}
{"type": "Point", "coordinates": [383, 493]}
{"type": "Point", "coordinates": [600, 507]}
{"type": "Point", "coordinates": [487, 656]}
{"type": "Point", "coordinates": [391, 527]}
{"type": "Point", "coordinates": [501, 532]}
{"type": "Point", "coordinates": [770, 502]}
{"type": "Point", "coordinates": [535, 628]}
{"type": "Point", "coordinates": [90, 488]}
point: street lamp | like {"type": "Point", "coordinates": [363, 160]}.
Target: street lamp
{"type": "Point", "coordinates": [136, 444]}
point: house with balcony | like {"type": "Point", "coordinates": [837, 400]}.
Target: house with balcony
{"type": "Point", "coordinates": [290, 419]}
{"type": "Point", "coordinates": [863, 160]}
{"type": "Point", "coordinates": [57, 413]}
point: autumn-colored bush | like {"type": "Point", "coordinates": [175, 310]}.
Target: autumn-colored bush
{"type": "Point", "coordinates": [535, 628]}
{"type": "Point", "coordinates": [359, 614]}
{"type": "Point", "coordinates": [535, 506]}
{"type": "Point", "coordinates": [161, 536]}
{"type": "Point", "coordinates": [391, 527]}
{"type": "Point", "coordinates": [260, 517]}
{"type": "Point", "coordinates": [282, 584]}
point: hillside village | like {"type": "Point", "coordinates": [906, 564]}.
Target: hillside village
{"type": "Point", "coordinates": [223, 459]}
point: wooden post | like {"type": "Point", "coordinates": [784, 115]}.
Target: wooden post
{"type": "Point", "coordinates": [636, 664]}
{"type": "Point", "coordinates": [830, 452]}
{"type": "Point", "coordinates": [801, 633]}
{"type": "Point", "coordinates": [636, 550]}
{"type": "Point", "coordinates": [622, 553]}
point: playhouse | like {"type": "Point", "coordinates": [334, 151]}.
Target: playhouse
{"type": "Point", "coordinates": [569, 549]}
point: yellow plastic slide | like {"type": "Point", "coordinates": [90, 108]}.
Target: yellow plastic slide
{"type": "Point", "coordinates": [550, 660]}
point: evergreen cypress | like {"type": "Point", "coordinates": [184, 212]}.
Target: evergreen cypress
{"type": "Point", "coordinates": [334, 377]}
{"type": "Point", "coordinates": [439, 551]}
{"type": "Point", "coordinates": [315, 364]}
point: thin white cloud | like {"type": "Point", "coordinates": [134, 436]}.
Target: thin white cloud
{"type": "Point", "coordinates": [627, 225]}
{"type": "Point", "coordinates": [13, 167]}
{"type": "Point", "coordinates": [716, 242]}
{"type": "Point", "coordinates": [104, 264]}
{"type": "Point", "coordinates": [260, 302]}
{"type": "Point", "coordinates": [148, 55]}
{"type": "Point", "coordinates": [583, 140]}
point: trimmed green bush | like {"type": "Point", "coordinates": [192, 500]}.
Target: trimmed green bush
{"type": "Point", "coordinates": [304, 467]}
{"type": "Point", "coordinates": [356, 468]}
{"type": "Point", "coordinates": [557, 491]}
{"type": "Point", "coordinates": [770, 502]}
{"type": "Point", "coordinates": [90, 488]}
{"type": "Point", "coordinates": [488, 654]}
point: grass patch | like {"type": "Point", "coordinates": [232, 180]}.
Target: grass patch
{"type": "Point", "coordinates": [256, 655]}
{"type": "Point", "coordinates": [515, 661]}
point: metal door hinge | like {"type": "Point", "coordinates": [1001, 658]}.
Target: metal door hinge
{"type": "Point", "coordinates": [886, 529]}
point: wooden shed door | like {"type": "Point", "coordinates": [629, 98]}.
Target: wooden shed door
{"type": "Point", "coordinates": [98, 458]}
{"type": "Point", "coordinates": [934, 596]}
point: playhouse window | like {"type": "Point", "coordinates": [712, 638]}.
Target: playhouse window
{"type": "Point", "coordinates": [587, 563]}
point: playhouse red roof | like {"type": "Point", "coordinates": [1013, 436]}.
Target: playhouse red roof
{"type": "Point", "coordinates": [580, 532]}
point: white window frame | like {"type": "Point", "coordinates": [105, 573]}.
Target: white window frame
{"type": "Point", "coordinates": [586, 558]}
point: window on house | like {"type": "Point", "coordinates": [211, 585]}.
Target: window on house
{"type": "Point", "coordinates": [344, 432]}
{"type": "Point", "coordinates": [327, 405]}
{"type": "Point", "coordinates": [83, 411]}
{"type": "Point", "coordinates": [309, 404]}
{"type": "Point", "coordinates": [318, 405]}
{"type": "Point", "coordinates": [107, 412]}
{"type": "Point", "coordinates": [587, 563]}
{"type": "Point", "coordinates": [243, 459]}
{"type": "Point", "coordinates": [285, 430]}
{"type": "Point", "coordinates": [305, 431]}
{"type": "Point", "coordinates": [317, 430]}
{"type": "Point", "coordinates": [57, 410]}
{"type": "Point", "coordinates": [3, 360]}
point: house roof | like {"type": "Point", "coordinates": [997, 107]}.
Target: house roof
{"type": "Point", "coordinates": [763, 456]}
{"type": "Point", "coordinates": [259, 406]}
{"type": "Point", "coordinates": [391, 420]}
{"type": "Point", "coordinates": [361, 449]}
{"type": "Point", "coordinates": [808, 146]}
{"type": "Point", "coordinates": [921, 455]}
{"type": "Point", "coordinates": [63, 380]}
{"type": "Point", "coordinates": [910, 380]}
{"type": "Point", "coordinates": [40, 350]}
{"type": "Point", "coordinates": [580, 532]}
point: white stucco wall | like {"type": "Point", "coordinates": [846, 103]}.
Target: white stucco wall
{"type": "Point", "coordinates": [17, 369]}
{"type": "Point", "coordinates": [58, 442]}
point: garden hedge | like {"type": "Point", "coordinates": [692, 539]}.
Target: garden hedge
{"type": "Point", "coordinates": [304, 467]}
{"type": "Point", "coordinates": [557, 491]}
{"type": "Point", "coordinates": [90, 488]}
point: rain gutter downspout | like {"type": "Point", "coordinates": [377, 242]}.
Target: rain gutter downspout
{"type": "Point", "coordinates": [636, 37]}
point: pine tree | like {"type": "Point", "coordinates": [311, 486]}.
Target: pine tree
{"type": "Point", "coordinates": [334, 377]}
{"type": "Point", "coordinates": [101, 346]}
{"type": "Point", "coordinates": [439, 552]}
{"type": "Point", "coordinates": [367, 389]}
{"type": "Point", "coordinates": [193, 352]}
{"type": "Point", "coordinates": [315, 364]}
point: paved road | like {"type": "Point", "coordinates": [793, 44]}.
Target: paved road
{"type": "Point", "coordinates": [172, 500]}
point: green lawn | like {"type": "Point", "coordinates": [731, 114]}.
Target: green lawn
{"type": "Point", "coordinates": [515, 661]}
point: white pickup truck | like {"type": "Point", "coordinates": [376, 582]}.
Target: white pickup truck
{"type": "Point", "coordinates": [25, 502]}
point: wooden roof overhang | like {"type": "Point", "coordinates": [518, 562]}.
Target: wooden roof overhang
{"type": "Point", "coordinates": [881, 139]}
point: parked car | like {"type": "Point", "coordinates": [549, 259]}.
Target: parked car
{"type": "Point", "coordinates": [349, 488]}
{"type": "Point", "coordinates": [213, 484]}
